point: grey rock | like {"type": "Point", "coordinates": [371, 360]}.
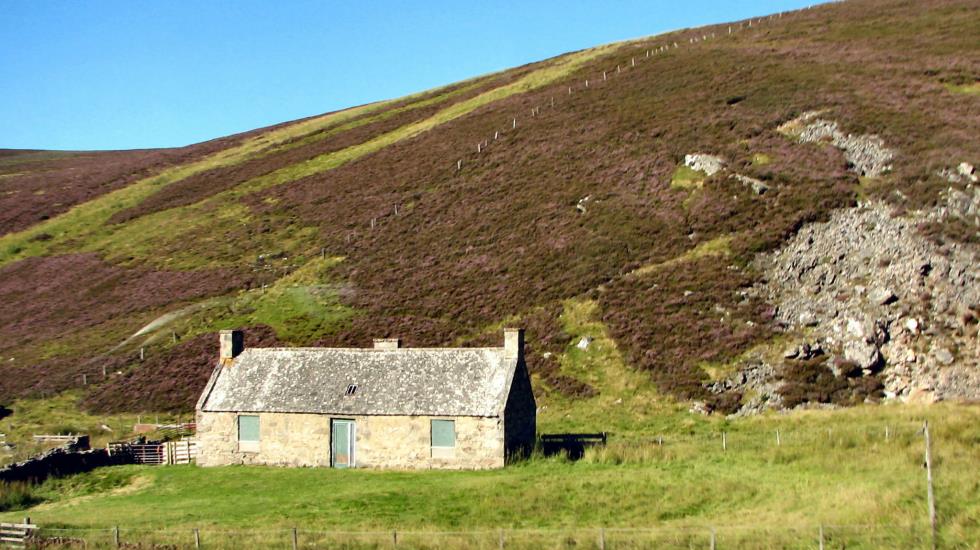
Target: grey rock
{"type": "Point", "coordinates": [962, 205]}
{"type": "Point", "coordinates": [967, 170]}
{"type": "Point", "coordinates": [865, 355]}
{"type": "Point", "coordinates": [709, 164]}
{"type": "Point", "coordinates": [944, 356]}
{"type": "Point", "coordinates": [882, 296]}
{"type": "Point", "coordinates": [758, 186]}
{"type": "Point", "coordinates": [867, 154]}
{"type": "Point", "coordinates": [808, 319]}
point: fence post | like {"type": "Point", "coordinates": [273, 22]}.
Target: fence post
{"type": "Point", "coordinates": [115, 535]}
{"type": "Point", "coordinates": [602, 538]}
{"type": "Point", "coordinates": [821, 536]}
{"type": "Point", "coordinates": [197, 538]}
{"type": "Point", "coordinates": [394, 538]}
{"type": "Point", "coordinates": [777, 438]}
{"type": "Point", "coordinates": [712, 538]}
{"type": "Point", "coordinates": [724, 441]}
{"type": "Point", "coordinates": [295, 539]}
{"type": "Point", "coordinates": [500, 538]}
{"type": "Point", "coordinates": [886, 432]}
{"type": "Point", "coordinates": [931, 493]}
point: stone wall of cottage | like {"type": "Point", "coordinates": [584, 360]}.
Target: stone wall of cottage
{"type": "Point", "coordinates": [402, 442]}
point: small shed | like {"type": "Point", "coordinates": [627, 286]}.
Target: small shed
{"type": "Point", "coordinates": [380, 407]}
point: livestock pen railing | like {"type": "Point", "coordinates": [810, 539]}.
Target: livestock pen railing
{"type": "Point", "coordinates": [183, 451]}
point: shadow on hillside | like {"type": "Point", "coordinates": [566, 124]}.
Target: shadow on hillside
{"type": "Point", "coordinates": [572, 445]}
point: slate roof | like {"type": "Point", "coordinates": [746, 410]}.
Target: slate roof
{"type": "Point", "coordinates": [405, 381]}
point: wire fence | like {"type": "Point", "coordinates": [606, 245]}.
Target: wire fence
{"type": "Point", "coordinates": [602, 538]}
{"type": "Point", "coordinates": [896, 438]}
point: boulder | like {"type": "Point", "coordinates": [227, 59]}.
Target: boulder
{"type": "Point", "coordinates": [967, 170]}
{"type": "Point", "coordinates": [882, 296]}
{"type": "Point", "coordinates": [709, 164]}
{"type": "Point", "coordinates": [863, 354]}
{"type": "Point", "coordinates": [583, 343]}
{"type": "Point", "coordinates": [758, 186]}
{"type": "Point", "coordinates": [944, 356]}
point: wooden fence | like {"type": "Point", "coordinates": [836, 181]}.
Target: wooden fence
{"type": "Point", "coordinates": [15, 535]}
{"type": "Point", "coordinates": [183, 451]}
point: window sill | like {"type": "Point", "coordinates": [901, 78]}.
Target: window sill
{"type": "Point", "coordinates": [443, 452]}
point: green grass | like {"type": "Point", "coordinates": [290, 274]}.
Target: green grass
{"type": "Point", "coordinates": [300, 307]}
{"type": "Point", "coordinates": [850, 476]}
{"type": "Point", "coordinates": [685, 177]}
{"type": "Point", "coordinates": [972, 88]}
{"type": "Point", "coordinates": [717, 247]}
{"type": "Point", "coordinates": [628, 404]}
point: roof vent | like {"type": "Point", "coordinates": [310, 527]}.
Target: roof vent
{"type": "Point", "coordinates": [351, 388]}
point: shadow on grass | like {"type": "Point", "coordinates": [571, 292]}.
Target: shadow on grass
{"type": "Point", "coordinates": [571, 445]}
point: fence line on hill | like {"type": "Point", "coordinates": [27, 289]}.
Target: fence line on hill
{"type": "Point", "coordinates": [649, 49]}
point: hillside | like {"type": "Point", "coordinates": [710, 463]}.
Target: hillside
{"type": "Point", "coordinates": [553, 196]}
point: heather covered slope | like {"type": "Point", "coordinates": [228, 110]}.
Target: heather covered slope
{"type": "Point", "coordinates": [438, 218]}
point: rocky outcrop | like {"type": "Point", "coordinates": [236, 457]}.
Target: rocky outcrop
{"type": "Point", "coordinates": [960, 204]}
{"type": "Point", "coordinates": [709, 164]}
{"type": "Point", "coordinates": [964, 173]}
{"type": "Point", "coordinates": [758, 186]}
{"type": "Point", "coordinates": [866, 154]}
{"type": "Point", "coordinates": [877, 296]}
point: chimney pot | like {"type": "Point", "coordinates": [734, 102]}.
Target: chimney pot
{"type": "Point", "coordinates": [387, 343]}
{"type": "Point", "coordinates": [514, 341]}
{"type": "Point", "coordinates": [231, 344]}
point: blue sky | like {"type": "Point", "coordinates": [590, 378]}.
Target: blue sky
{"type": "Point", "coordinates": [122, 74]}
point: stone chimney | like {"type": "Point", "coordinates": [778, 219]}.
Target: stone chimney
{"type": "Point", "coordinates": [231, 344]}
{"type": "Point", "coordinates": [514, 341]}
{"type": "Point", "coordinates": [387, 343]}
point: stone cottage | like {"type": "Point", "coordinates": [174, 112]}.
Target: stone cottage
{"type": "Point", "coordinates": [380, 407]}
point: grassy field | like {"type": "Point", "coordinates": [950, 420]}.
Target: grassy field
{"type": "Point", "coordinates": [831, 468]}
